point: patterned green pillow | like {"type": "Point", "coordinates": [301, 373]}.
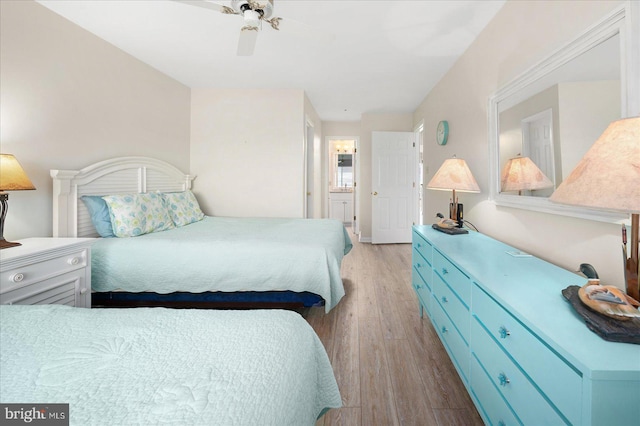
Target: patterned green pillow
{"type": "Point", "coordinates": [137, 214]}
{"type": "Point", "coordinates": [183, 207]}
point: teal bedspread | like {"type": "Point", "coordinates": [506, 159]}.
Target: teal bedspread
{"type": "Point", "coordinates": [227, 254]}
{"type": "Point", "coordinates": [162, 366]}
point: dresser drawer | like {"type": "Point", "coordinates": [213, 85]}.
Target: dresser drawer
{"type": "Point", "coordinates": [492, 406]}
{"type": "Point", "coordinates": [520, 393]}
{"type": "Point", "coordinates": [423, 247]}
{"type": "Point", "coordinates": [422, 290]}
{"type": "Point", "coordinates": [56, 265]}
{"type": "Point", "coordinates": [457, 311]}
{"type": "Point", "coordinates": [455, 344]}
{"type": "Point", "coordinates": [457, 280]}
{"type": "Point", "coordinates": [556, 379]}
{"type": "Point", "coordinates": [421, 265]}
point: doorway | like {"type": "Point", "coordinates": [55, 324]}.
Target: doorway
{"type": "Point", "coordinates": [537, 144]}
{"type": "Point", "coordinates": [342, 172]}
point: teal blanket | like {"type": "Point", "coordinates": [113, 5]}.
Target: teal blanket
{"type": "Point", "coordinates": [161, 366]}
{"type": "Point", "coordinates": [227, 254]}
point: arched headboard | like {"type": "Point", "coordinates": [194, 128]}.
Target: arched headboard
{"type": "Point", "coordinates": [114, 176]}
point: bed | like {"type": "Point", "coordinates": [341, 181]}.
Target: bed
{"type": "Point", "coordinates": [159, 365]}
{"type": "Point", "coordinates": [213, 262]}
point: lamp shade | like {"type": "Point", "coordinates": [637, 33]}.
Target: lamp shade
{"type": "Point", "coordinates": [12, 175]}
{"type": "Point", "coordinates": [454, 174]}
{"type": "Point", "coordinates": [608, 176]}
{"type": "Point", "coordinates": [520, 173]}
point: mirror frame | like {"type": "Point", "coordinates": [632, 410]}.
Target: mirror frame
{"type": "Point", "coordinates": [620, 21]}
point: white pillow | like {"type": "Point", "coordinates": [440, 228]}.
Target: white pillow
{"type": "Point", "coordinates": [137, 214]}
{"type": "Point", "coordinates": [183, 207]}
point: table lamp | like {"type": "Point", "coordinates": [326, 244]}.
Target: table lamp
{"type": "Point", "coordinates": [522, 174]}
{"type": "Point", "coordinates": [608, 178]}
{"type": "Point", "coordinates": [12, 178]}
{"type": "Point", "coordinates": [454, 175]}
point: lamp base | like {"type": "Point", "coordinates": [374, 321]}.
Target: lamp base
{"type": "Point", "coordinates": [7, 244]}
{"type": "Point", "coordinates": [632, 264]}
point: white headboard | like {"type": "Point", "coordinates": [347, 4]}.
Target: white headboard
{"type": "Point", "coordinates": [120, 175]}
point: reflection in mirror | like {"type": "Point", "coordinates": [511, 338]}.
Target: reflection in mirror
{"type": "Point", "coordinates": [341, 169]}
{"type": "Point", "coordinates": [555, 120]}
{"type": "Point", "coordinates": [344, 171]}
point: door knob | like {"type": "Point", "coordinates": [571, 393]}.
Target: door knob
{"type": "Point", "coordinates": [375, 193]}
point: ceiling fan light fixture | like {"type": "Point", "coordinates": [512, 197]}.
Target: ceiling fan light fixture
{"type": "Point", "coordinates": [263, 7]}
{"type": "Point", "coordinates": [251, 18]}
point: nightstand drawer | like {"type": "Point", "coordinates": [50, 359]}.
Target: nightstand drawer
{"type": "Point", "coordinates": [452, 305]}
{"type": "Point", "coordinates": [456, 279]}
{"type": "Point", "coordinates": [519, 392]}
{"type": "Point", "coordinates": [61, 290]}
{"type": "Point", "coordinates": [422, 267]}
{"type": "Point", "coordinates": [493, 407]}
{"type": "Point", "coordinates": [423, 247]}
{"type": "Point", "coordinates": [563, 386]}
{"type": "Point", "coordinates": [47, 271]}
{"type": "Point", "coordinates": [458, 349]}
{"type": "Point", "coordinates": [55, 265]}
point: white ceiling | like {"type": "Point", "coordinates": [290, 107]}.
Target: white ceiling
{"type": "Point", "coordinates": [350, 57]}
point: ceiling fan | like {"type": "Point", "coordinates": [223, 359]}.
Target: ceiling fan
{"type": "Point", "coordinates": [253, 13]}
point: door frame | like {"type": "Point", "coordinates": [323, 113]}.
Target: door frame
{"type": "Point", "coordinates": [419, 179]}
{"type": "Point", "coordinates": [308, 192]}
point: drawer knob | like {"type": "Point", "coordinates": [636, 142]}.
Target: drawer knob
{"type": "Point", "coordinates": [73, 261]}
{"type": "Point", "coordinates": [504, 380]}
{"type": "Point", "coordinates": [418, 265]}
{"type": "Point", "coordinates": [419, 245]}
{"type": "Point", "coordinates": [444, 329]}
{"type": "Point", "coordinates": [444, 299]}
{"type": "Point", "coordinates": [502, 423]}
{"type": "Point", "coordinates": [444, 271]}
{"type": "Point", "coordinates": [16, 278]}
{"type": "Point", "coordinates": [83, 290]}
{"type": "Point", "coordinates": [504, 332]}
{"type": "Point", "coordinates": [418, 286]}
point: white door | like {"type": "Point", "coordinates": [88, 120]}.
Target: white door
{"type": "Point", "coordinates": [392, 189]}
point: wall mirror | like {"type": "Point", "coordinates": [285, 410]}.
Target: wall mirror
{"type": "Point", "coordinates": [556, 110]}
{"type": "Point", "coordinates": [341, 170]}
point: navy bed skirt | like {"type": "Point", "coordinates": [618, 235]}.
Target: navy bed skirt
{"type": "Point", "coordinates": [213, 300]}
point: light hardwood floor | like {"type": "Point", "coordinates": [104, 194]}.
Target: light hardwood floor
{"type": "Point", "coordinates": [390, 366]}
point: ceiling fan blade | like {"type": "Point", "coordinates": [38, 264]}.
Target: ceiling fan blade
{"type": "Point", "coordinates": [209, 5]}
{"type": "Point", "coordinates": [247, 41]}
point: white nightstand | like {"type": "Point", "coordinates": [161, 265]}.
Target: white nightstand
{"type": "Point", "coordinates": [45, 271]}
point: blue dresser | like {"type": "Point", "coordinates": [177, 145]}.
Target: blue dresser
{"type": "Point", "coordinates": [523, 354]}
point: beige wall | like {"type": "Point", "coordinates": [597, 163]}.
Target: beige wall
{"type": "Point", "coordinates": [510, 44]}
{"type": "Point", "coordinates": [69, 99]}
{"type": "Point", "coordinates": [247, 151]}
